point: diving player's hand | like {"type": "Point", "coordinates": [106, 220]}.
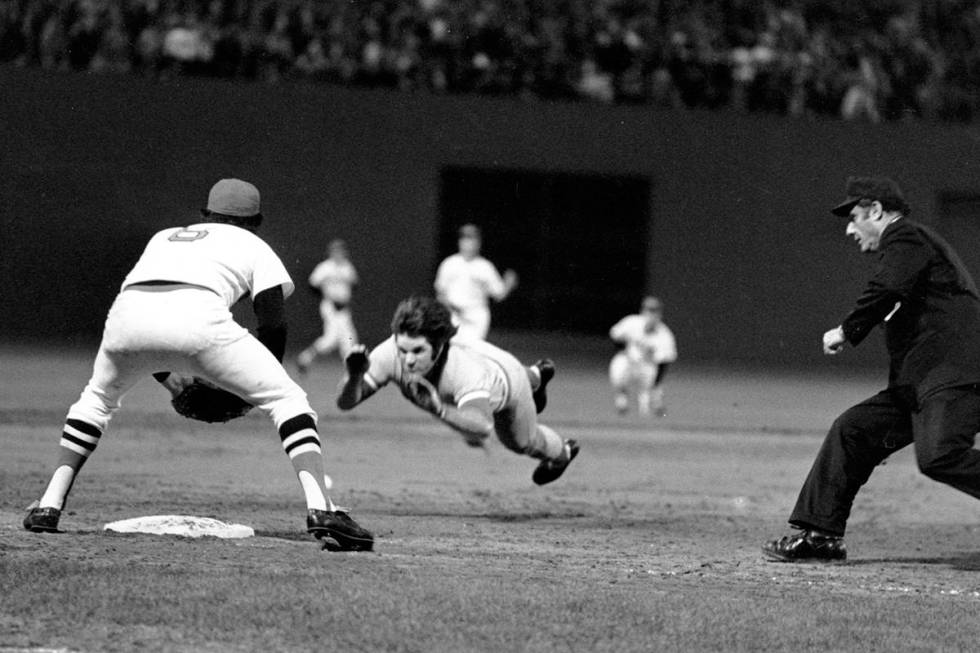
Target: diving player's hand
{"type": "Point", "coordinates": [424, 395]}
{"type": "Point", "coordinates": [357, 362]}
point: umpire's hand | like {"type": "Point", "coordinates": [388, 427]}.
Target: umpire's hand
{"type": "Point", "coordinates": [834, 341]}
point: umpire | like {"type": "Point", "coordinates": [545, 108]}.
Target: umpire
{"type": "Point", "coordinates": [928, 304]}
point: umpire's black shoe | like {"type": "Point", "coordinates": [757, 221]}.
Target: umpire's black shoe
{"type": "Point", "coordinates": [549, 470]}
{"type": "Point", "coordinates": [42, 520]}
{"type": "Point", "coordinates": [338, 530]}
{"type": "Point", "coordinates": [546, 368]}
{"type": "Point", "coordinates": [806, 546]}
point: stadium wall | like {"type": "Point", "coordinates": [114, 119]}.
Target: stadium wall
{"type": "Point", "coordinates": [750, 264]}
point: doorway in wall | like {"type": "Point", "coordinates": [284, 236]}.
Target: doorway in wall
{"type": "Point", "coordinates": [578, 242]}
{"type": "Point", "coordinates": [959, 223]}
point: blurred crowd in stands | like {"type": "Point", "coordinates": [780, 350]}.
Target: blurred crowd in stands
{"type": "Point", "coordinates": [872, 60]}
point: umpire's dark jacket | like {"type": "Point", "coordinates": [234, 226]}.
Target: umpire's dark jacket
{"type": "Point", "coordinates": [933, 338]}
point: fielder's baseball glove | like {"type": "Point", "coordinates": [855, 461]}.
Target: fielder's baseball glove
{"type": "Point", "coordinates": [206, 403]}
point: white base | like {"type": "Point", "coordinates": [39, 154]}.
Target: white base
{"type": "Point", "coordinates": [184, 525]}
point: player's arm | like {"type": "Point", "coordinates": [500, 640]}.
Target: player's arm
{"type": "Point", "coordinates": [315, 281]}
{"type": "Point", "coordinates": [618, 332]}
{"type": "Point", "coordinates": [472, 416]}
{"type": "Point", "coordinates": [270, 315]}
{"type": "Point", "coordinates": [510, 283]}
{"type": "Point", "coordinates": [900, 265]}
{"type": "Point", "coordinates": [473, 419]}
{"type": "Point", "coordinates": [497, 286]}
{"type": "Point", "coordinates": [356, 386]}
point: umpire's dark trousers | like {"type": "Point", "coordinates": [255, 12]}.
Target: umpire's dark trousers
{"type": "Point", "coordinates": [943, 427]}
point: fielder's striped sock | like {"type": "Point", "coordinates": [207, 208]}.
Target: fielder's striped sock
{"type": "Point", "coordinates": [78, 440]}
{"type": "Point", "coordinates": [80, 437]}
{"type": "Point", "coordinates": [299, 436]}
{"type": "Point", "coordinates": [301, 442]}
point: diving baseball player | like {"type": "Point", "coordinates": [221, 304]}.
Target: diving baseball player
{"type": "Point", "coordinates": [641, 365]}
{"type": "Point", "coordinates": [472, 386]}
{"type": "Point", "coordinates": [466, 282]}
{"type": "Point", "coordinates": [172, 318]}
{"type": "Point", "coordinates": [333, 279]}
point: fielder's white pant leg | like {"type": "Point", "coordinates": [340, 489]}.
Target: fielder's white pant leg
{"type": "Point", "coordinates": [121, 361]}
{"type": "Point", "coordinates": [245, 367]}
{"type": "Point", "coordinates": [248, 369]}
{"type": "Point", "coordinates": [346, 333]}
{"type": "Point", "coordinates": [644, 374]}
{"type": "Point", "coordinates": [657, 400]}
{"type": "Point", "coordinates": [620, 378]}
{"type": "Point", "coordinates": [474, 322]}
{"type": "Point", "coordinates": [619, 372]}
{"type": "Point", "coordinates": [142, 330]}
{"type": "Point", "coordinates": [112, 376]}
{"type": "Point", "coordinates": [329, 341]}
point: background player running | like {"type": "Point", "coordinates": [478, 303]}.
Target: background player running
{"type": "Point", "coordinates": [333, 279]}
{"type": "Point", "coordinates": [474, 387]}
{"type": "Point", "coordinates": [466, 282]}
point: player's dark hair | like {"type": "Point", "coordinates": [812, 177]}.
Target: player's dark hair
{"type": "Point", "coordinates": [426, 317]}
{"type": "Point", "coordinates": [250, 222]}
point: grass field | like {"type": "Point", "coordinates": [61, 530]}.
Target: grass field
{"type": "Point", "coordinates": [650, 542]}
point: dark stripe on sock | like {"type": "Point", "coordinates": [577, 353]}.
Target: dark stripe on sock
{"type": "Point", "coordinates": [82, 443]}
{"type": "Point", "coordinates": [84, 427]}
{"type": "Point", "coordinates": [295, 425]}
{"type": "Point", "coordinates": [299, 443]}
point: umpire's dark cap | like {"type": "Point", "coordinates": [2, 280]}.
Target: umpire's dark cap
{"type": "Point", "coordinates": [881, 189]}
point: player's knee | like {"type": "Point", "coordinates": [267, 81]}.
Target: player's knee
{"type": "Point", "coordinates": [939, 465]}
{"type": "Point", "coordinates": [286, 405]}
{"type": "Point", "coordinates": [93, 407]}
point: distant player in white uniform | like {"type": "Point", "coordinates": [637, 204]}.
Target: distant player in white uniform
{"type": "Point", "coordinates": [333, 279]}
{"type": "Point", "coordinates": [467, 282]}
{"type": "Point", "coordinates": [472, 386]}
{"type": "Point", "coordinates": [172, 318]}
{"type": "Point", "coordinates": [639, 368]}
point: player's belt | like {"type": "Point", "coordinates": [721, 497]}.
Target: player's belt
{"type": "Point", "coordinates": [163, 285]}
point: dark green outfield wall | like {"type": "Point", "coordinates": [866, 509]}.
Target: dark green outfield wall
{"type": "Point", "coordinates": [743, 252]}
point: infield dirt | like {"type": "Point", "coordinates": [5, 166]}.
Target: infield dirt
{"type": "Point", "coordinates": [649, 542]}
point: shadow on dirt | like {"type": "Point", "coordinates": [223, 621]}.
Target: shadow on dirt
{"type": "Point", "coordinates": [967, 561]}
{"type": "Point", "coordinates": [292, 536]}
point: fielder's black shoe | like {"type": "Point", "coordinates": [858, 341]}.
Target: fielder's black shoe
{"type": "Point", "coordinates": [549, 470]}
{"type": "Point", "coordinates": [42, 520]}
{"type": "Point", "coordinates": [806, 546]}
{"type": "Point", "coordinates": [337, 526]}
{"type": "Point", "coordinates": [546, 368]}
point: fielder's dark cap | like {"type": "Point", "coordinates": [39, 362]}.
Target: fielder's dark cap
{"type": "Point", "coordinates": [234, 197]}
{"type": "Point", "coordinates": [881, 189]}
{"type": "Point", "coordinates": [469, 231]}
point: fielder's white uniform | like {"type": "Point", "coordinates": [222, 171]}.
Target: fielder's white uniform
{"type": "Point", "coordinates": [467, 286]}
{"type": "Point", "coordinates": [645, 349]}
{"type": "Point", "coordinates": [187, 327]}
{"type": "Point", "coordinates": [476, 368]}
{"type": "Point", "coordinates": [335, 280]}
